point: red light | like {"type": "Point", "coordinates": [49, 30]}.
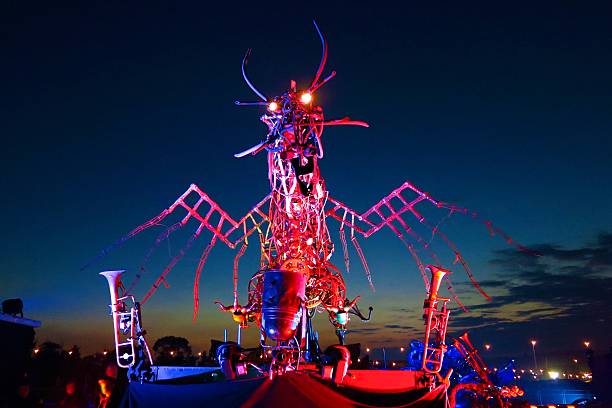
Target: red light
{"type": "Point", "coordinates": [306, 98]}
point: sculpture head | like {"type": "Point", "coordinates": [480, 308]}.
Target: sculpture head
{"type": "Point", "coordinates": [295, 123]}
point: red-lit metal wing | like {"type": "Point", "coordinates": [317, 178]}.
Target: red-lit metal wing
{"type": "Point", "coordinates": [389, 212]}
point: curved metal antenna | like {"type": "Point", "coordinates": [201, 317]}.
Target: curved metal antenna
{"type": "Point", "coordinates": [244, 75]}
{"type": "Point", "coordinates": [323, 57]}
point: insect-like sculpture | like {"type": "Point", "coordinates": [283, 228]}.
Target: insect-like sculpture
{"type": "Point", "coordinates": [296, 276]}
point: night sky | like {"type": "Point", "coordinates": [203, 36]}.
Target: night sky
{"type": "Point", "coordinates": [110, 111]}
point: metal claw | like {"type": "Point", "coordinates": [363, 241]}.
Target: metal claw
{"type": "Point", "coordinates": [250, 103]}
{"type": "Point", "coordinates": [323, 82]}
{"type": "Point", "coordinates": [323, 57]}
{"type": "Point", "coordinates": [244, 75]}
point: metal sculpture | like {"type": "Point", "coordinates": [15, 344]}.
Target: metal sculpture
{"type": "Point", "coordinates": [291, 226]}
{"type": "Point", "coordinates": [483, 388]}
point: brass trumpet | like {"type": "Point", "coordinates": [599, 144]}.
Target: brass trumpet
{"type": "Point", "coordinates": [436, 319]}
{"type": "Point", "coordinates": [130, 344]}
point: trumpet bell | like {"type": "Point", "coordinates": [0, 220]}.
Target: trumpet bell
{"type": "Point", "coordinates": [437, 274]}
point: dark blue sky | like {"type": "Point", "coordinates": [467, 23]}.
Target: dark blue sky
{"type": "Point", "coordinates": [110, 111]}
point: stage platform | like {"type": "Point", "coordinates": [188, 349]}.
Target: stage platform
{"type": "Point", "coordinates": [363, 388]}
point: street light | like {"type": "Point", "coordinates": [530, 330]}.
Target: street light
{"type": "Point", "coordinates": [587, 344]}
{"type": "Point", "coordinates": [535, 362]}
{"type": "Point", "coordinates": [487, 347]}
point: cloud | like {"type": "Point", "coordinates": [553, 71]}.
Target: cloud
{"type": "Point", "coordinates": [572, 286]}
{"type": "Point", "coordinates": [398, 326]}
{"type": "Point", "coordinates": [365, 331]}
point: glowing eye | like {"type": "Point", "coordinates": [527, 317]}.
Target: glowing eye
{"type": "Point", "coordinates": [273, 106]}
{"type": "Point", "coordinates": [306, 98]}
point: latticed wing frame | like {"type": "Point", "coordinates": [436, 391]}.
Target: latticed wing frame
{"type": "Point", "coordinates": [209, 216]}
{"type": "Point", "coordinates": [389, 212]}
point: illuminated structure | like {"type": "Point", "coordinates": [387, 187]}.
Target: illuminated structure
{"type": "Point", "coordinates": [296, 277]}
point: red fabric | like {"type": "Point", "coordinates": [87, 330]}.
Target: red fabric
{"type": "Point", "coordinates": [292, 390]}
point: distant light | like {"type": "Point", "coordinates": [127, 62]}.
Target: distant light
{"type": "Point", "coordinates": [575, 360]}
{"type": "Point", "coordinates": [367, 350]}
{"type": "Point", "coordinates": [488, 346]}
{"type": "Point", "coordinates": [394, 364]}
{"type": "Point", "coordinates": [273, 106]}
{"type": "Point", "coordinates": [200, 354]}
{"type": "Point", "coordinates": [587, 344]}
{"type": "Point", "coordinates": [402, 349]}
{"type": "Point", "coordinates": [376, 362]}
{"type": "Point", "coordinates": [306, 98]}
{"type": "Point", "coordinates": [553, 375]}
{"type": "Point", "coordinates": [533, 406]}
{"type": "Point", "coordinates": [105, 352]}
{"type": "Point", "coordinates": [36, 350]}
{"type": "Point", "coordinates": [533, 343]}
{"type": "Point", "coordinates": [70, 352]}
{"type": "Point", "coordinates": [172, 353]}
{"type": "Point", "coordinates": [551, 406]}
{"type": "Point", "coordinates": [359, 360]}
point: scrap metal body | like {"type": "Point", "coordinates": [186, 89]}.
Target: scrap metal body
{"type": "Point", "coordinates": [291, 226]}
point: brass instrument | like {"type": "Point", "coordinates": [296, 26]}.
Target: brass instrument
{"type": "Point", "coordinates": [130, 344]}
{"type": "Point", "coordinates": [470, 353]}
{"type": "Point", "coordinates": [436, 318]}
{"type": "Point", "coordinates": [485, 389]}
